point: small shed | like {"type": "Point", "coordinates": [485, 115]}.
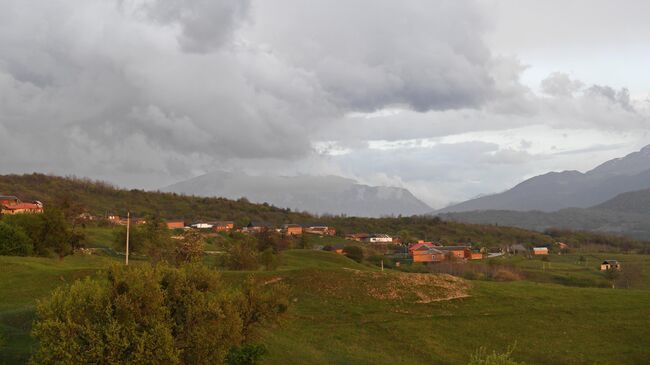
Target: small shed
{"type": "Point", "coordinates": [540, 250]}
{"type": "Point", "coordinates": [610, 265]}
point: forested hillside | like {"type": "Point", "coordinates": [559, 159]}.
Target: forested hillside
{"type": "Point", "coordinates": [99, 198]}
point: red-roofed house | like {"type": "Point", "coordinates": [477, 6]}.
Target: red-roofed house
{"type": "Point", "coordinates": [10, 205]}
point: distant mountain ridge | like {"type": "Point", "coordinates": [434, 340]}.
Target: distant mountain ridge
{"type": "Point", "coordinates": [568, 189]}
{"type": "Point", "coordinates": [314, 194]}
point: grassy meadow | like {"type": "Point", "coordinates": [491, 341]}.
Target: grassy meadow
{"type": "Point", "coordinates": [344, 312]}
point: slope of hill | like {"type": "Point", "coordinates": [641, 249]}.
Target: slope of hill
{"type": "Point", "coordinates": [348, 313]}
{"type": "Point", "coordinates": [559, 190]}
{"type": "Point", "coordinates": [627, 214]}
{"type": "Point", "coordinates": [101, 199]}
{"type": "Point", "coordinates": [314, 194]}
{"type": "Point", "coordinates": [595, 220]}
{"type": "Point", "coordinates": [635, 202]}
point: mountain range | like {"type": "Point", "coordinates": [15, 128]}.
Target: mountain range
{"type": "Point", "coordinates": [568, 189]}
{"type": "Point", "coordinates": [614, 197]}
{"type": "Point", "coordinates": [313, 194]}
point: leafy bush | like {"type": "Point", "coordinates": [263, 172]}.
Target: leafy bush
{"type": "Point", "coordinates": [49, 232]}
{"type": "Point", "coordinates": [246, 355]}
{"type": "Point", "coordinates": [354, 252]}
{"type": "Point", "coordinates": [14, 241]}
{"type": "Point", "coordinates": [154, 315]}
{"type": "Point", "coordinates": [243, 255]}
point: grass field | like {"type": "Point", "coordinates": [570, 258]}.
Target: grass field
{"type": "Point", "coordinates": [569, 270]}
{"type": "Point", "coordinates": [345, 312]}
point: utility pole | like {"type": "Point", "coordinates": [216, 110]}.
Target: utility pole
{"type": "Point", "coordinates": [128, 227]}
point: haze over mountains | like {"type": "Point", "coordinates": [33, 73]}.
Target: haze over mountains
{"type": "Point", "coordinates": [314, 194]}
{"type": "Point", "coordinates": [614, 197]}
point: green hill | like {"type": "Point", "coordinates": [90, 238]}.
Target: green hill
{"type": "Point", "coordinates": [344, 312]}
{"type": "Point", "coordinates": [633, 202]}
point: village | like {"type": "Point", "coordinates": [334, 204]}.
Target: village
{"type": "Point", "coordinates": [399, 251]}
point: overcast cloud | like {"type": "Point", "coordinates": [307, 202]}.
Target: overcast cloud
{"type": "Point", "coordinates": [429, 95]}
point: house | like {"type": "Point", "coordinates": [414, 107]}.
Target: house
{"type": "Point", "coordinates": [292, 229]}
{"type": "Point", "coordinates": [357, 236]}
{"type": "Point", "coordinates": [115, 219]}
{"type": "Point", "coordinates": [476, 256]}
{"type": "Point", "coordinates": [8, 200]}
{"type": "Point", "coordinates": [10, 205]}
{"type": "Point", "coordinates": [223, 226]}
{"type": "Point", "coordinates": [459, 252]}
{"type": "Point", "coordinates": [320, 230]}
{"type": "Point", "coordinates": [415, 246]}
{"type": "Point", "coordinates": [378, 238]}
{"type": "Point", "coordinates": [517, 248]}
{"type": "Point", "coordinates": [134, 221]}
{"type": "Point", "coordinates": [175, 224]}
{"type": "Point", "coordinates": [610, 265]}
{"type": "Point", "coordinates": [85, 216]}
{"type": "Point", "coordinates": [562, 245]}
{"type": "Point", "coordinates": [426, 253]}
{"type": "Point", "coordinates": [202, 225]}
{"type": "Point", "coordinates": [257, 226]}
{"type": "Point", "coordinates": [540, 251]}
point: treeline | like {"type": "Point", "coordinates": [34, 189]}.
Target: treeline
{"type": "Point", "coordinates": [74, 195]}
{"type": "Point", "coordinates": [48, 234]}
{"type": "Point", "coordinates": [100, 199]}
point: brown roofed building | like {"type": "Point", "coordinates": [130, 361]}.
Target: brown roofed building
{"type": "Point", "coordinates": [175, 224]}
{"type": "Point", "coordinates": [292, 229]}
{"type": "Point", "coordinates": [223, 226]}
{"type": "Point", "coordinates": [10, 205]}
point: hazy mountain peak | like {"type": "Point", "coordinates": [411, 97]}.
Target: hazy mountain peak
{"type": "Point", "coordinates": [315, 194]}
{"type": "Point", "coordinates": [632, 164]}
{"type": "Point", "coordinates": [558, 190]}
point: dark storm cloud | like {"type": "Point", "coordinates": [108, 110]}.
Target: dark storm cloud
{"type": "Point", "coordinates": [178, 87]}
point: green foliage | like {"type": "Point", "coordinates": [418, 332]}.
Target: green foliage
{"type": "Point", "coordinates": [483, 357]}
{"type": "Point", "coordinates": [14, 241]}
{"type": "Point", "coordinates": [243, 255]}
{"type": "Point", "coordinates": [49, 233]}
{"type": "Point", "coordinates": [269, 259]}
{"type": "Point", "coordinates": [152, 239]}
{"type": "Point", "coordinates": [246, 355]}
{"type": "Point", "coordinates": [190, 248]}
{"type": "Point", "coordinates": [354, 252]}
{"type": "Point", "coordinates": [155, 315]}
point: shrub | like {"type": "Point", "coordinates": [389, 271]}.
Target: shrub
{"type": "Point", "coordinates": [154, 315]}
{"type": "Point", "coordinates": [482, 357]}
{"type": "Point", "coordinates": [245, 355]}
{"type": "Point", "coordinates": [49, 232]}
{"type": "Point", "coordinates": [269, 260]}
{"type": "Point", "coordinates": [243, 256]}
{"type": "Point", "coordinates": [354, 252]}
{"type": "Point", "coordinates": [14, 241]}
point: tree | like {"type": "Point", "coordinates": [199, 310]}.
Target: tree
{"type": "Point", "coordinates": [49, 232]}
{"type": "Point", "coordinates": [190, 248]}
{"type": "Point", "coordinates": [243, 255]}
{"type": "Point", "coordinates": [14, 241]}
{"type": "Point", "coordinates": [269, 260]}
{"type": "Point", "coordinates": [354, 252]}
{"type": "Point", "coordinates": [304, 242]}
{"type": "Point", "coordinates": [154, 315]}
{"type": "Point", "coordinates": [152, 239]}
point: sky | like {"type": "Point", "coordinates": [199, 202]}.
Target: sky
{"type": "Point", "coordinates": [450, 99]}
